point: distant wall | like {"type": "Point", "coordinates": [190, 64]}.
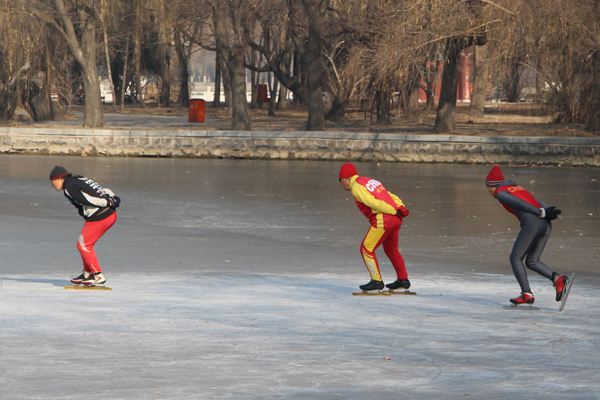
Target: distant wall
{"type": "Point", "coordinates": [303, 146]}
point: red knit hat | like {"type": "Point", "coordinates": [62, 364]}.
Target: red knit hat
{"type": "Point", "coordinates": [495, 177]}
{"type": "Point", "coordinates": [347, 170]}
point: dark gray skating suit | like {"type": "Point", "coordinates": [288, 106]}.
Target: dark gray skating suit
{"type": "Point", "coordinates": [535, 231]}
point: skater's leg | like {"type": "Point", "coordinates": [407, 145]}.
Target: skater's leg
{"type": "Point", "coordinates": [90, 234]}
{"type": "Point", "coordinates": [522, 244]}
{"type": "Point", "coordinates": [390, 246]}
{"type": "Point", "coordinates": [532, 261]}
{"type": "Point", "coordinates": [371, 241]}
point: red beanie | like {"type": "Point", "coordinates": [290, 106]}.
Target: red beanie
{"type": "Point", "coordinates": [347, 170]}
{"type": "Point", "coordinates": [495, 177]}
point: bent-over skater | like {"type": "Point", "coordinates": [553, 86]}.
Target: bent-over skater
{"type": "Point", "coordinates": [385, 212]}
{"type": "Point", "coordinates": [97, 205]}
{"type": "Point", "coordinates": [535, 217]}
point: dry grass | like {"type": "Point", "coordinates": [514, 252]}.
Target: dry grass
{"type": "Point", "coordinates": [499, 119]}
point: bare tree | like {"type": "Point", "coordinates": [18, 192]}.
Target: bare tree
{"type": "Point", "coordinates": [455, 44]}
{"type": "Point", "coordinates": [16, 53]}
{"type": "Point", "coordinates": [137, 49]}
{"type": "Point", "coordinates": [229, 17]}
{"type": "Point", "coordinates": [190, 19]}
{"type": "Point", "coordinates": [77, 22]}
{"type": "Point", "coordinates": [104, 21]}
{"type": "Point", "coordinates": [295, 53]}
{"type": "Point", "coordinates": [480, 80]}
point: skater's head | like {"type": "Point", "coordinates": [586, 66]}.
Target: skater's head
{"type": "Point", "coordinates": [347, 171]}
{"type": "Point", "coordinates": [57, 177]}
{"type": "Point", "coordinates": [493, 179]}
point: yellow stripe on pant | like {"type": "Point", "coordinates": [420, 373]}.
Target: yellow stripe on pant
{"type": "Point", "coordinates": [367, 251]}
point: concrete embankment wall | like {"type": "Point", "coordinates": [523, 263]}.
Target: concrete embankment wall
{"type": "Point", "coordinates": [302, 146]}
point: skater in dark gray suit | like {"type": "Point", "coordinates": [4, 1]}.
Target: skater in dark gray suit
{"type": "Point", "coordinates": [535, 217]}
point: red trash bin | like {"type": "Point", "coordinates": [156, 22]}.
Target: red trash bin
{"type": "Point", "coordinates": [196, 110]}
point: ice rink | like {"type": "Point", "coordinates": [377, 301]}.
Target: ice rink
{"type": "Point", "coordinates": [232, 279]}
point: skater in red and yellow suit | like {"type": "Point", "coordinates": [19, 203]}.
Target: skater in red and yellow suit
{"type": "Point", "coordinates": [385, 212]}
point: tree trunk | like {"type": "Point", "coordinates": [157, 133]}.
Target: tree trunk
{"type": "Point", "coordinates": [273, 89]}
{"type": "Point", "coordinates": [92, 112]}
{"type": "Point", "coordinates": [85, 53]}
{"type": "Point", "coordinates": [513, 83]}
{"type": "Point", "coordinates": [410, 93]}
{"type": "Point", "coordinates": [445, 119]}
{"type": "Point", "coordinates": [137, 53]}
{"type": "Point", "coordinates": [591, 99]}
{"type": "Point", "coordinates": [312, 66]}
{"type": "Point", "coordinates": [337, 111]}
{"type": "Point", "coordinates": [431, 73]}
{"type": "Point", "coordinates": [282, 103]}
{"type": "Point", "coordinates": [316, 114]}
{"type": "Point", "coordinates": [184, 85]}
{"type": "Point", "coordinates": [9, 95]}
{"type": "Point", "coordinates": [92, 115]}
{"type": "Point", "coordinates": [226, 80]}
{"type": "Point", "coordinates": [124, 81]}
{"type": "Point", "coordinates": [184, 75]}
{"type": "Point", "coordinates": [164, 60]}
{"type": "Point", "coordinates": [40, 101]}
{"type": "Point", "coordinates": [382, 103]}
{"type": "Point", "coordinates": [413, 101]}
{"type": "Point", "coordinates": [217, 95]}
{"type": "Point", "coordinates": [480, 80]}
{"type": "Point", "coordinates": [107, 57]}
{"type": "Point", "coordinates": [237, 76]}
{"type": "Point", "coordinates": [254, 81]}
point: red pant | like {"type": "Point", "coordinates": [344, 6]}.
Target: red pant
{"type": "Point", "coordinates": [91, 232]}
{"type": "Point", "coordinates": [389, 238]}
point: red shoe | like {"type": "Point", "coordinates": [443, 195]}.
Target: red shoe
{"type": "Point", "coordinates": [524, 298]}
{"type": "Point", "coordinates": [560, 284]}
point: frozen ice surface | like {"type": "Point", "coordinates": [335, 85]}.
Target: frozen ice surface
{"type": "Point", "coordinates": [266, 336]}
{"type": "Point", "coordinates": [233, 280]}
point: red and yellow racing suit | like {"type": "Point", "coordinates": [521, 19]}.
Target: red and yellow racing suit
{"type": "Point", "coordinates": [380, 208]}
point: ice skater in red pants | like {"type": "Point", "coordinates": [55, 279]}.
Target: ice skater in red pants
{"type": "Point", "coordinates": [97, 206]}
{"type": "Point", "coordinates": [385, 212]}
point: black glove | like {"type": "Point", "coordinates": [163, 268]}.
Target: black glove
{"type": "Point", "coordinates": [552, 213]}
{"type": "Point", "coordinates": [114, 202]}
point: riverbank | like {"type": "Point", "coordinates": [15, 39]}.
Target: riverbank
{"type": "Point", "coordinates": [301, 145]}
{"type": "Point", "coordinates": [506, 133]}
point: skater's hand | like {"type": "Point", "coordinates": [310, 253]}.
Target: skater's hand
{"type": "Point", "coordinates": [114, 202]}
{"type": "Point", "coordinates": [402, 212]}
{"type": "Point", "coordinates": [552, 213]}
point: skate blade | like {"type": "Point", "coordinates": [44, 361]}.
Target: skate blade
{"type": "Point", "coordinates": [563, 301]}
{"type": "Point", "coordinates": [372, 293]}
{"type": "Point", "coordinates": [84, 287]}
{"type": "Point", "coordinates": [520, 307]}
{"type": "Point", "coordinates": [402, 292]}
{"type": "Point", "coordinates": [384, 293]}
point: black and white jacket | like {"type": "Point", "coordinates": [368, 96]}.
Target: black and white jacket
{"type": "Point", "coordinates": [89, 197]}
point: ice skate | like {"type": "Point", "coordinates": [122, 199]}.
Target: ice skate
{"type": "Point", "coordinates": [78, 280]}
{"type": "Point", "coordinates": [94, 280]}
{"type": "Point", "coordinates": [372, 285]}
{"type": "Point", "coordinates": [398, 284]}
{"type": "Point", "coordinates": [524, 298]}
{"type": "Point", "coordinates": [373, 288]}
{"type": "Point", "coordinates": [565, 292]}
{"type": "Point", "coordinates": [523, 302]}
{"type": "Point", "coordinates": [560, 284]}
